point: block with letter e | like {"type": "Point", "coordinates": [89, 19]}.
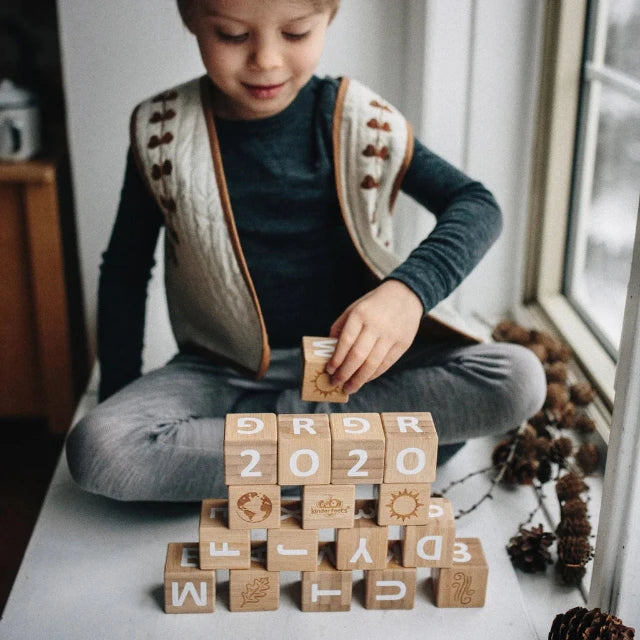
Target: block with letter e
{"type": "Point", "coordinates": [357, 448]}
{"type": "Point", "coordinates": [187, 589]}
{"type": "Point", "coordinates": [411, 447]}
{"type": "Point", "coordinates": [393, 587]}
{"type": "Point", "coordinates": [304, 449]}
{"type": "Point", "coordinates": [464, 584]}
{"type": "Point", "coordinates": [431, 544]}
{"type": "Point", "coordinates": [292, 548]}
{"type": "Point", "coordinates": [250, 448]}
{"type": "Point", "coordinates": [221, 547]}
{"type": "Point", "coordinates": [316, 352]}
{"type": "Point", "coordinates": [326, 588]}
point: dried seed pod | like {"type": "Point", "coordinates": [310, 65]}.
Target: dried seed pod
{"type": "Point", "coordinates": [561, 449]}
{"type": "Point", "coordinates": [539, 349]}
{"type": "Point", "coordinates": [579, 527]}
{"type": "Point", "coordinates": [582, 393]}
{"type": "Point", "coordinates": [574, 550]}
{"type": "Point", "coordinates": [584, 424]}
{"type": "Point", "coordinates": [574, 508]}
{"type": "Point", "coordinates": [588, 457]}
{"type": "Point", "coordinates": [529, 550]}
{"type": "Point", "coordinates": [539, 420]}
{"type": "Point", "coordinates": [570, 574]}
{"type": "Point", "coordinates": [557, 372]}
{"type": "Point", "coordinates": [568, 416]}
{"type": "Point", "coordinates": [509, 331]}
{"type": "Point", "coordinates": [571, 485]}
{"type": "Point", "coordinates": [557, 396]}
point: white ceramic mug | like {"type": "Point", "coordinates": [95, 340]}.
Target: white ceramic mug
{"type": "Point", "coordinates": [19, 123]}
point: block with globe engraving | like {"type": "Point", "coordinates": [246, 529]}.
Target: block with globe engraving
{"type": "Point", "coordinates": [254, 506]}
{"type": "Point", "coordinates": [316, 387]}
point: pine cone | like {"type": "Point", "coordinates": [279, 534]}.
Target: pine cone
{"type": "Point", "coordinates": [521, 471]}
{"type": "Point", "coordinates": [588, 457]}
{"type": "Point", "coordinates": [557, 396]}
{"type": "Point", "coordinates": [529, 550]}
{"type": "Point", "coordinates": [543, 448]}
{"type": "Point", "coordinates": [561, 449]}
{"type": "Point", "coordinates": [557, 372]}
{"type": "Point", "coordinates": [539, 420]}
{"type": "Point", "coordinates": [570, 574]}
{"type": "Point", "coordinates": [574, 527]}
{"type": "Point", "coordinates": [584, 424]}
{"type": "Point", "coordinates": [568, 416]}
{"type": "Point", "coordinates": [570, 486]}
{"type": "Point", "coordinates": [582, 393]}
{"type": "Point", "coordinates": [581, 624]}
{"type": "Point", "coordinates": [501, 451]}
{"type": "Point", "coordinates": [574, 550]}
{"type": "Point", "coordinates": [574, 508]}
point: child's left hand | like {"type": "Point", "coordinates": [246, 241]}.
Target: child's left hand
{"type": "Point", "coordinates": [373, 333]}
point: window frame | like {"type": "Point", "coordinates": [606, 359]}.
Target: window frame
{"type": "Point", "coordinates": [557, 137]}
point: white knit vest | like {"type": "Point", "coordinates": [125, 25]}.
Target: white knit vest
{"type": "Point", "coordinates": [213, 306]}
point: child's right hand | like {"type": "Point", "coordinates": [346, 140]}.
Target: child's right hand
{"type": "Point", "coordinates": [373, 333]}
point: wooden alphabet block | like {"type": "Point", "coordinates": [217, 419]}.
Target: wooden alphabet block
{"type": "Point", "coordinates": [431, 544]}
{"type": "Point", "coordinates": [357, 448]}
{"type": "Point", "coordinates": [250, 448]}
{"type": "Point", "coordinates": [404, 503]}
{"type": "Point", "coordinates": [393, 587]}
{"type": "Point", "coordinates": [221, 547]}
{"type": "Point", "coordinates": [411, 447]}
{"type": "Point", "coordinates": [464, 584]}
{"type": "Point", "coordinates": [365, 545]}
{"type": "Point", "coordinates": [328, 506]}
{"type": "Point", "coordinates": [292, 548]}
{"type": "Point", "coordinates": [254, 589]}
{"type": "Point", "coordinates": [304, 449]}
{"type": "Point", "coordinates": [254, 506]}
{"type": "Point", "coordinates": [316, 352]}
{"type": "Point", "coordinates": [326, 588]}
{"type": "Point", "coordinates": [187, 589]}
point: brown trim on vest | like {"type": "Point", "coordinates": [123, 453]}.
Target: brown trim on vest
{"type": "Point", "coordinates": [205, 95]}
{"type": "Point", "coordinates": [133, 136]}
{"type": "Point", "coordinates": [408, 154]}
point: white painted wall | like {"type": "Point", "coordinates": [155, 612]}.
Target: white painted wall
{"type": "Point", "coordinates": [464, 72]}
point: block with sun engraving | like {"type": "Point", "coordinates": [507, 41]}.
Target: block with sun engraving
{"type": "Point", "coordinates": [316, 387]}
{"type": "Point", "coordinates": [403, 503]}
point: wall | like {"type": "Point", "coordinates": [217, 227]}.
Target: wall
{"type": "Point", "coordinates": [463, 73]}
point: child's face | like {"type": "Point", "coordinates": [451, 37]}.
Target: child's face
{"type": "Point", "coordinates": [258, 53]}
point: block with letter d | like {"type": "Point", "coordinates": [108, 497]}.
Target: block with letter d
{"type": "Point", "coordinates": [250, 448]}
{"type": "Point", "coordinates": [316, 352]}
{"type": "Point", "coordinates": [221, 547]}
{"type": "Point", "coordinates": [411, 447]}
{"type": "Point", "coordinates": [393, 587]}
{"type": "Point", "coordinates": [187, 589]}
{"type": "Point", "coordinates": [357, 448]}
{"type": "Point", "coordinates": [464, 584]}
{"type": "Point", "coordinates": [431, 544]}
{"type": "Point", "coordinates": [304, 449]}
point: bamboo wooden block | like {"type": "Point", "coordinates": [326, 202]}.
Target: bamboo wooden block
{"type": "Point", "coordinates": [464, 584]}
{"type": "Point", "coordinates": [304, 449]}
{"type": "Point", "coordinates": [316, 352]}
{"type": "Point", "coordinates": [221, 547]}
{"type": "Point", "coordinates": [251, 448]}
{"type": "Point", "coordinates": [404, 504]}
{"type": "Point", "coordinates": [254, 506]}
{"type": "Point", "coordinates": [328, 506]}
{"type": "Point", "coordinates": [292, 548]}
{"type": "Point", "coordinates": [187, 589]}
{"type": "Point", "coordinates": [365, 545]}
{"type": "Point", "coordinates": [393, 587]}
{"type": "Point", "coordinates": [411, 447]}
{"type": "Point", "coordinates": [326, 588]}
{"type": "Point", "coordinates": [357, 448]}
{"type": "Point", "coordinates": [431, 545]}
{"type": "Point", "coordinates": [254, 589]}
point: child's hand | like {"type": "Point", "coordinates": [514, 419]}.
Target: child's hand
{"type": "Point", "coordinates": [373, 333]}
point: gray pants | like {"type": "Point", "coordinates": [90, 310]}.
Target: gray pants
{"type": "Point", "coordinates": [161, 437]}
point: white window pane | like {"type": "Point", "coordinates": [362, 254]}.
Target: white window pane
{"type": "Point", "coordinates": [603, 237]}
{"type": "Point", "coordinates": [623, 37]}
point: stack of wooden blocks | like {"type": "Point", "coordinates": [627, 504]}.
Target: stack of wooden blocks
{"type": "Point", "coordinates": [327, 455]}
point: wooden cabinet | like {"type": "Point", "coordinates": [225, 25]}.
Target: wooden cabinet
{"type": "Point", "coordinates": [36, 377]}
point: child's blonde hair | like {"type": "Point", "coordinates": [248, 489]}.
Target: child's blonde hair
{"type": "Point", "coordinates": [186, 6]}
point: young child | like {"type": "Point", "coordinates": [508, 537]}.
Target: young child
{"type": "Point", "coordinates": [275, 188]}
